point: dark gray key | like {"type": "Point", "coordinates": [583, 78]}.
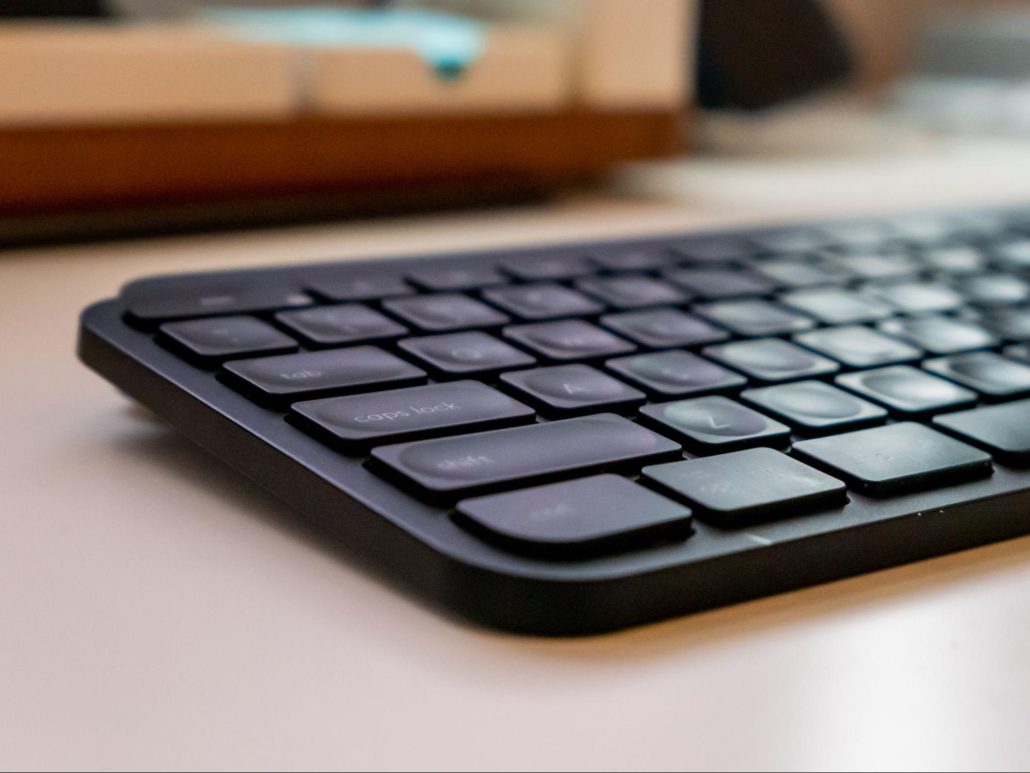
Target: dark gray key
{"type": "Point", "coordinates": [569, 340]}
{"type": "Point", "coordinates": [452, 468]}
{"type": "Point", "coordinates": [895, 459]}
{"type": "Point", "coordinates": [438, 279]}
{"type": "Point", "coordinates": [1015, 254]}
{"type": "Point", "coordinates": [444, 313]}
{"type": "Point", "coordinates": [753, 319]}
{"type": "Point", "coordinates": [747, 486]}
{"type": "Point", "coordinates": [955, 261]}
{"type": "Point", "coordinates": [542, 301]}
{"type": "Point", "coordinates": [940, 335]}
{"type": "Point", "coordinates": [601, 514]}
{"type": "Point", "coordinates": [881, 266]}
{"type": "Point", "coordinates": [771, 360]}
{"type": "Point", "coordinates": [1003, 430]}
{"type": "Point", "coordinates": [859, 347]}
{"type": "Point", "coordinates": [210, 341]}
{"type": "Point", "coordinates": [714, 249]}
{"type": "Point", "coordinates": [358, 286]}
{"type": "Point", "coordinates": [1009, 324]}
{"type": "Point", "coordinates": [359, 422]}
{"type": "Point", "coordinates": [152, 301]}
{"type": "Point", "coordinates": [908, 391]}
{"type": "Point", "coordinates": [990, 374]}
{"type": "Point", "coordinates": [676, 374]}
{"type": "Point", "coordinates": [570, 390]}
{"type": "Point", "coordinates": [537, 269]}
{"type": "Point", "coordinates": [792, 240]}
{"type": "Point", "coordinates": [664, 328]}
{"type": "Point", "coordinates": [340, 325]}
{"type": "Point", "coordinates": [633, 258]}
{"type": "Point", "coordinates": [717, 284]}
{"type": "Point", "coordinates": [1019, 352]}
{"type": "Point", "coordinates": [465, 354]}
{"type": "Point", "coordinates": [838, 307]}
{"type": "Point", "coordinates": [796, 274]}
{"type": "Point", "coordinates": [631, 291]}
{"type": "Point", "coordinates": [995, 289]}
{"type": "Point", "coordinates": [288, 378]}
{"type": "Point", "coordinates": [918, 297]}
{"type": "Point", "coordinates": [715, 424]}
{"type": "Point", "coordinates": [815, 408]}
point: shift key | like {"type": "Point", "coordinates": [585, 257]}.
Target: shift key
{"type": "Point", "coordinates": [456, 467]}
{"type": "Point", "coordinates": [358, 422]}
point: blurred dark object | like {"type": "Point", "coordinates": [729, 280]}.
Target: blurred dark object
{"type": "Point", "coordinates": [51, 8]}
{"type": "Point", "coordinates": [758, 53]}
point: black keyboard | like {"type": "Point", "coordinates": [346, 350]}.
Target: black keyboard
{"type": "Point", "coordinates": [579, 438]}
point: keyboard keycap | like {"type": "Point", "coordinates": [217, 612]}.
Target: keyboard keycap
{"type": "Point", "coordinates": [815, 408]}
{"type": "Point", "coordinates": [796, 274]}
{"type": "Point", "coordinates": [445, 313]}
{"type": "Point", "coordinates": [718, 284]}
{"type": "Point", "coordinates": [908, 391]}
{"type": "Point", "coordinates": [664, 328]}
{"type": "Point", "coordinates": [859, 347]}
{"type": "Point", "coordinates": [838, 307]}
{"type": "Point", "coordinates": [570, 390]}
{"type": "Point", "coordinates": [995, 289]}
{"type": "Point", "coordinates": [631, 291]}
{"type": "Point", "coordinates": [675, 374]}
{"type": "Point", "coordinates": [536, 269]}
{"type": "Point", "coordinates": [210, 341]}
{"type": "Point", "coordinates": [714, 424]}
{"type": "Point", "coordinates": [360, 421]}
{"type": "Point", "coordinates": [153, 301]}
{"type": "Point", "coordinates": [1009, 324]}
{"type": "Point", "coordinates": [792, 240]}
{"type": "Point", "coordinates": [955, 261]}
{"type": "Point", "coordinates": [324, 326]}
{"type": "Point", "coordinates": [1003, 430]}
{"type": "Point", "coordinates": [714, 249]}
{"type": "Point", "coordinates": [1019, 353]}
{"type": "Point", "coordinates": [278, 381]}
{"type": "Point", "coordinates": [358, 287]}
{"type": "Point", "coordinates": [771, 360]}
{"type": "Point", "coordinates": [940, 335]}
{"type": "Point", "coordinates": [746, 486]}
{"type": "Point", "coordinates": [1015, 254]}
{"type": "Point", "coordinates": [439, 279]}
{"type": "Point", "coordinates": [918, 297]}
{"type": "Point", "coordinates": [542, 301]}
{"type": "Point", "coordinates": [881, 267]}
{"type": "Point", "coordinates": [601, 514]}
{"type": "Point", "coordinates": [896, 459]}
{"type": "Point", "coordinates": [633, 258]}
{"type": "Point", "coordinates": [860, 235]}
{"type": "Point", "coordinates": [452, 468]}
{"type": "Point", "coordinates": [568, 341]}
{"type": "Point", "coordinates": [465, 354]}
{"type": "Point", "coordinates": [754, 319]}
{"type": "Point", "coordinates": [990, 374]}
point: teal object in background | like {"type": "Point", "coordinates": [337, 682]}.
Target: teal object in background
{"type": "Point", "coordinates": [447, 42]}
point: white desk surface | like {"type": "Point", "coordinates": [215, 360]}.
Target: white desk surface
{"type": "Point", "coordinates": [154, 614]}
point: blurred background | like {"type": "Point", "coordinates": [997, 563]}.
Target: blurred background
{"type": "Point", "coordinates": [137, 116]}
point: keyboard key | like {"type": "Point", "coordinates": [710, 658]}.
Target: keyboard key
{"type": "Point", "coordinates": [881, 266]}
{"type": "Point", "coordinates": [664, 328]}
{"type": "Point", "coordinates": [470, 277]}
{"type": "Point", "coordinates": [542, 301]}
{"type": "Point", "coordinates": [444, 313]}
{"type": "Point", "coordinates": [771, 360]}
{"type": "Point", "coordinates": [1003, 430]}
{"type": "Point", "coordinates": [630, 291]}
{"type": "Point", "coordinates": [209, 341]}
{"type": "Point", "coordinates": [1014, 254]}
{"type": "Point", "coordinates": [1009, 324]}
{"type": "Point", "coordinates": [452, 468]}
{"type": "Point", "coordinates": [746, 486]}
{"type": "Point", "coordinates": [940, 335]}
{"type": "Point", "coordinates": [676, 374]}
{"type": "Point", "coordinates": [907, 390]}
{"type": "Point", "coordinates": [339, 325]}
{"type": "Point", "coordinates": [717, 284]}
{"type": "Point", "coordinates": [990, 374]}
{"type": "Point", "coordinates": [955, 261]}
{"type": "Point", "coordinates": [924, 229]}
{"type": "Point", "coordinates": [754, 319]}
{"type": "Point", "coordinates": [813, 407]}
{"type": "Point", "coordinates": [796, 274]}
{"type": "Point", "coordinates": [570, 390]}
{"type": "Point", "coordinates": [537, 269]}
{"type": "Point", "coordinates": [714, 249]}
{"type": "Point", "coordinates": [896, 459]}
{"type": "Point", "coordinates": [714, 424]}
{"type": "Point", "coordinates": [354, 286]}
{"type": "Point", "coordinates": [918, 297]}
{"type": "Point", "coordinates": [278, 381]}
{"type": "Point", "coordinates": [859, 347]}
{"type": "Point", "coordinates": [633, 258]}
{"type": "Point", "coordinates": [465, 354]}
{"type": "Point", "coordinates": [1019, 352]}
{"type": "Point", "coordinates": [792, 240]}
{"type": "Point", "coordinates": [860, 235]}
{"type": "Point", "coordinates": [569, 340]}
{"type": "Point", "coordinates": [358, 422]}
{"type": "Point", "coordinates": [601, 514]}
{"type": "Point", "coordinates": [995, 289]}
{"type": "Point", "coordinates": [153, 301]}
{"type": "Point", "coordinates": [838, 307]}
